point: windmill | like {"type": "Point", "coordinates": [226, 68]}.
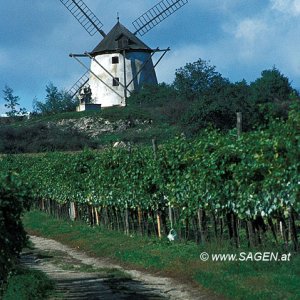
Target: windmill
{"type": "Point", "coordinates": [121, 63]}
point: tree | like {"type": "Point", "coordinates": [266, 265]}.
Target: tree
{"type": "Point", "coordinates": [152, 95]}
{"type": "Point", "coordinates": [12, 102]}
{"type": "Point", "coordinates": [197, 79]}
{"type": "Point", "coordinates": [55, 102]}
{"type": "Point", "coordinates": [219, 108]}
{"type": "Point", "coordinates": [272, 94]}
{"type": "Point", "coordinates": [272, 86]}
{"type": "Point", "coordinates": [159, 101]}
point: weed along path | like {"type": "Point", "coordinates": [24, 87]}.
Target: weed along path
{"type": "Point", "coordinates": [79, 276]}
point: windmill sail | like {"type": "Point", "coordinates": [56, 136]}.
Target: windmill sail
{"type": "Point", "coordinates": [157, 14]}
{"type": "Point", "coordinates": [84, 16]}
{"type": "Point", "coordinates": [81, 82]}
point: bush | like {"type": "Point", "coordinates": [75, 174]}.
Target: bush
{"type": "Point", "coordinates": [28, 285]}
{"type": "Point", "coordinates": [14, 199]}
{"type": "Point", "coordinates": [41, 138]}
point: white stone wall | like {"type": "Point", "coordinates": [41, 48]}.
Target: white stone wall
{"type": "Point", "coordinates": [101, 94]}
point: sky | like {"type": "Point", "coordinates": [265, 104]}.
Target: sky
{"type": "Point", "coordinates": [240, 37]}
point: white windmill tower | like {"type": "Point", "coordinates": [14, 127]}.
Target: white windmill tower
{"type": "Point", "coordinates": [121, 63]}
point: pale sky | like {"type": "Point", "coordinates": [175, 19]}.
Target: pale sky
{"type": "Point", "coordinates": [240, 37]}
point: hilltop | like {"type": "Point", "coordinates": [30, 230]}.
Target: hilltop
{"type": "Point", "coordinates": [78, 130]}
{"type": "Point", "coordinates": [199, 98]}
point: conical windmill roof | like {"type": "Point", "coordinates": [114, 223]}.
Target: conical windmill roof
{"type": "Point", "coordinates": [111, 42]}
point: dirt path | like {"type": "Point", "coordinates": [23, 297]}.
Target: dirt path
{"type": "Point", "coordinates": [78, 276]}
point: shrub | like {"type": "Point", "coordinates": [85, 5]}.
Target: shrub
{"type": "Point", "coordinates": [14, 199]}
{"type": "Point", "coordinates": [28, 285]}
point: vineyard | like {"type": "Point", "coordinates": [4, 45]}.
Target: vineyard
{"type": "Point", "coordinates": [217, 186]}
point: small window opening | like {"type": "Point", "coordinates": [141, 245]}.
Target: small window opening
{"type": "Point", "coordinates": [123, 42]}
{"type": "Point", "coordinates": [116, 81]}
{"type": "Point", "coordinates": [115, 59]}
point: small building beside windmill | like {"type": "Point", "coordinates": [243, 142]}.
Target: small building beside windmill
{"type": "Point", "coordinates": [120, 64]}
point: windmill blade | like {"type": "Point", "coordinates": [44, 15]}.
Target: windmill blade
{"type": "Point", "coordinates": [81, 82]}
{"type": "Point", "coordinates": [157, 14]}
{"type": "Point", "coordinates": [84, 16]}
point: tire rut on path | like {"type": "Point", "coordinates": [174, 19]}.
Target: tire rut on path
{"type": "Point", "coordinates": [97, 281]}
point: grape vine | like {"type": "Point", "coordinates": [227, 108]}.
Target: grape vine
{"type": "Point", "coordinates": [253, 177]}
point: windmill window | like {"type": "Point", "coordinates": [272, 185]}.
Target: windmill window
{"type": "Point", "coordinates": [115, 59]}
{"type": "Point", "coordinates": [116, 81]}
{"type": "Point", "coordinates": [123, 42]}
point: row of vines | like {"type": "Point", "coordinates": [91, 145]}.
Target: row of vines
{"type": "Point", "coordinates": [218, 186]}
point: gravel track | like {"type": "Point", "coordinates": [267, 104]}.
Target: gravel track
{"type": "Point", "coordinates": [52, 258]}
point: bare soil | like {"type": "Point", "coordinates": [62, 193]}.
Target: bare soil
{"type": "Point", "coordinates": [79, 276]}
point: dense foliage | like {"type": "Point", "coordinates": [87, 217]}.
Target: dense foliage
{"type": "Point", "coordinates": [254, 176]}
{"type": "Point", "coordinates": [200, 97]}
{"type": "Point", "coordinates": [28, 284]}
{"type": "Point", "coordinates": [14, 199]}
{"type": "Point", "coordinates": [42, 137]}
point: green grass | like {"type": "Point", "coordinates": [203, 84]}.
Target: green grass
{"type": "Point", "coordinates": [142, 134]}
{"type": "Point", "coordinates": [36, 135]}
{"type": "Point", "coordinates": [65, 262]}
{"type": "Point", "coordinates": [235, 280]}
{"type": "Point", "coordinates": [28, 284]}
{"type": "Point", "coordinates": [111, 114]}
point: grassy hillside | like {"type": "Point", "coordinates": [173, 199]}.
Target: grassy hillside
{"type": "Point", "coordinates": [199, 98]}
{"type": "Point", "coordinates": [78, 130]}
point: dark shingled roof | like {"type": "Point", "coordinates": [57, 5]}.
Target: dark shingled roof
{"type": "Point", "coordinates": [111, 43]}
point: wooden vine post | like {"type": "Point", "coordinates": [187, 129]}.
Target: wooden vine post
{"type": "Point", "coordinates": [200, 224]}
{"type": "Point", "coordinates": [126, 220]}
{"type": "Point", "coordinates": [154, 145]}
{"type": "Point", "coordinates": [42, 205]}
{"type": "Point", "coordinates": [239, 120]}
{"type": "Point", "coordinates": [140, 216]}
{"type": "Point", "coordinates": [250, 234]}
{"type": "Point", "coordinates": [97, 216]}
{"type": "Point", "coordinates": [159, 224]}
{"type": "Point", "coordinates": [294, 231]}
{"type": "Point", "coordinates": [171, 216]}
{"type": "Point", "coordinates": [72, 211]}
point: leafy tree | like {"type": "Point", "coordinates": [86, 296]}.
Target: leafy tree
{"type": "Point", "coordinates": [55, 102]}
{"type": "Point", "coordinates": [215, 100]}
{"type": "Point", "coordinates": [153, 96]}
{"type": "Point", "coordinates": [12, 102]}
{"type": "Point", "coordinates": [218, 109]}
{"type": "Point", "coordinates": [159, 101]}
{"type": "Point", "coordinates": [209, 98]}
{"type": "Point", "coordinates": [197, 79]}
{"type": "Point", "coordinates": [272, 86]}
{"type": "Point", "coordinates": [200, 97]}
{"type": "Point", "coordinates": [272, 95]}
